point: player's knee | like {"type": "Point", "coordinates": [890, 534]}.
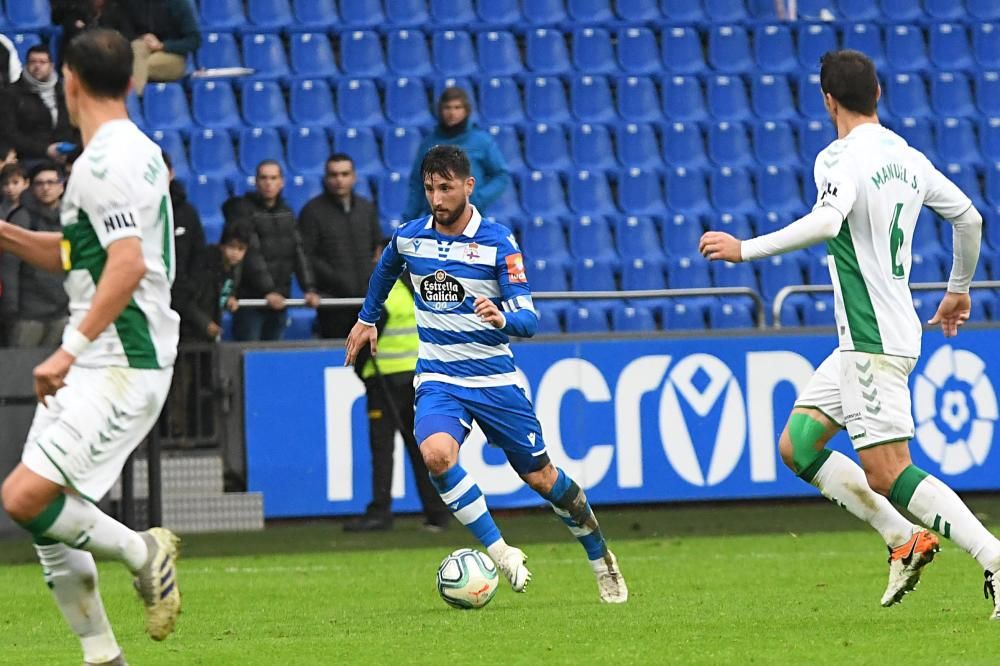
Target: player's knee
{"type": "Point", "coordinates": [542, 480]}
{"type": "Point", "coordinates": [880, 480]}
{"type": "Point", "coordinates": [785, 450]}
{"type": "Point", "coordinates": [803, 451]}
{"type": "Point", "coordinates": [17, 503]}
{"type": "Point", "coordinates": [439, 455]}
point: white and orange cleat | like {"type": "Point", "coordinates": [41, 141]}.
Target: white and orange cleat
{"type": "Point", "coordinates": [905, 564]}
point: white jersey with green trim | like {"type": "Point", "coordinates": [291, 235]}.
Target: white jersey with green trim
{"type": "Point", "coordinates": [119, 189]}
{"type": "Point", "coordinates": [878, 184]}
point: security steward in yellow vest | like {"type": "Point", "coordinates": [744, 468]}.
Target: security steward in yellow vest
{"type": "Point", "coordinates": [388, 381]}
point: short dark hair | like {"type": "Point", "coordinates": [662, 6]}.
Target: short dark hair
{"type": "Point", "coordinates": [45, 166]}
{"type": "Point", "coordinates": [849, 77]}
{"type": "Point", "coordinates": [453, 93]}
{"type": "Point", "coordinates": [38, 48]}
{"type": "Point", "coordinates": [269, 162]}
{"type": "Point", "coordinates": [240, 231]}
{"type": "Point", "coordinates": [340, 157]}
{"type": "Point", "coordinates": [447, 161]}
{"type": "Point", "coordinates": [102, 60]}
{"type": "Point", "coordinates": [11, 170]}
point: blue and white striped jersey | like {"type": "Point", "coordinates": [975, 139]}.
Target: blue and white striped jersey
{"type": "Point", "coordinates": [448, 273]}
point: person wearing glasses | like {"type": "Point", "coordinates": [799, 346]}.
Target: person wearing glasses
{"type": "Point", "coordinates": [34, 307]}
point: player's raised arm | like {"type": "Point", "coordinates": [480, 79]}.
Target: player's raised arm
{"type": "Point", "coordinates": [390, 266]}
{"type": "Point", "coordinates": [38, 248]}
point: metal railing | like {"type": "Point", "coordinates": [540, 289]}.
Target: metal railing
{"type": "Point", "coordinates": [785, 292]}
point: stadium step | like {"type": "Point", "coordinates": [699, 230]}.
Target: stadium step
{"type": "Point", "coordinates": [182, 476]}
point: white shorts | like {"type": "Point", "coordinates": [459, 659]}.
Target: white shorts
{"type": "Point", "coordinates": [868, 394]}
{"type": "Point", "coordinates": [84, 434]}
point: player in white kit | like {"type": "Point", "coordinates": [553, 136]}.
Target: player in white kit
{"type": "Point", "coordinates": [101, 392]}
{"type": "Point", "coordinates": [871, 186]}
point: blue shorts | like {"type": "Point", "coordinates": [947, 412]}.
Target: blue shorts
{"type": "Point", "coordinates": [503, 412]}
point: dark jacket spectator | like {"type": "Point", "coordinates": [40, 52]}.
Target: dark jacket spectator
{"type": "Point", "coordinates": [342, 238]}
{"type": "Point", "coordinates": [33, 113]}
{"type": "Point", "coordinates": [189, 234]}
{"type": "Point", "coordinates": [489, 167]}
{"type": "Point", "coordinates": [166, 32]}
{"type": "Point", "coordinates": [201, 300]}
{"type": "Point", "coordinates": [75, 16]}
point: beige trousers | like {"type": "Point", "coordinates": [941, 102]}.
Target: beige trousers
{"type": "Point", "coordinates": [154, 66]}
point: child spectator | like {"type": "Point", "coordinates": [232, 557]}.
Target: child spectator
{"type": "Point", "coordinates": [13, 183]}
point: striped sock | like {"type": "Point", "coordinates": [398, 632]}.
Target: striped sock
{"type": "Point", "coordinates": [570, 504]}
{"type": "Point", "coordinates": [466, 501]}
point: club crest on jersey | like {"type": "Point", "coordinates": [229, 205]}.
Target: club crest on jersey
{"type": "Point", "coordinates": [441, 291]}
{"type": "Point", "coordinates": [515, 268]}
{"type": "Point", "coordinates": [472, 252]}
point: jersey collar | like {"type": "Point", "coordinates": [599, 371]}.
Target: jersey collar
{"type": "Point", "coordinates": [470, 230]}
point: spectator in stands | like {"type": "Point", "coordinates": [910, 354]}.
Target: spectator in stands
{"type": "Point", "coordinates": [189, 234]}
{"type": "Point", "coordinates": [33, 113]}
{"type": "Point", "coordinates": [34, 305]}
{"type": "Point", "coordinates": [13, 183]}
{"type": "Point", "coordinates": [343, 240]}
{"type": "Point", "coordinates": [454, 127]}
{"type": "Point", "coordinates": [75, 16]}
{"type": "Point", "coordinates": [275, 253]}
{"type": "Point", "coordinates": [10, 62]}
{"type": "Point", "coordinates": [166, 33]}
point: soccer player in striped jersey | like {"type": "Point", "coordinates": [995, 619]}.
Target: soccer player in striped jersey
{"type": "Point", "coordinates": [871, 186]}
{"type": "Point", "coordinates": [471, 293]}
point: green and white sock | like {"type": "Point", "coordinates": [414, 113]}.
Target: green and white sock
{"type": "Point", "coordinates": [77, 523]}
{"type": "Point", "coordinates": [72, 577]}
{"type": "Point", "coordinates": [843, 482]}
{"type": "Point", "coordinates": [939, 508]}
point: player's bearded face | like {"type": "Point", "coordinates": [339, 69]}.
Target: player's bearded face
{"type": "Point", "coordinates": [447, 197]}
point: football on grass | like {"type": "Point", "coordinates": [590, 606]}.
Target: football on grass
{"type": "Point", "coordinates": [467, 579]}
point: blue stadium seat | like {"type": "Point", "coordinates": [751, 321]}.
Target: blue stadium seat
{"type": "Point", "coordinates": [133, 104]}
{"type": "Point", "coordinates": [590, 99]}
{"type": "Point", "coordinates": [926, 269]}
{"type": "Point", "coordinates": [586, 319]}
{"type": "Point", "coordinates": [778, 272]}
{"type": "Point", "coordinates": [640, 274]}
{"type": "Point", "coordinates": [637, 146]}
{"type": "Point", "coordinates": [265, 54]}
{"type": "Point", "coordinates": [301, 322]}
{"type": "Point", "coordinates": [545, 100]}
{"type": "Point", "coordinates": [212, 152]}
{"type": "Point", "coordinates": [548, 318]}
{"type": "Point", "coordinates": [637, 11]}
{"type": "Point", "coordinates": [682, 11]}
{"type": "Point", "coordinates": [217, 14]}
{"type": "Point", "coordinates": [547, 274]}
{"type": "Point", "coordinates": [361, 14]}
{"type": "Point", "coordinates": [925, 236]}
{"type": "Point", "coordinates": [500, 102]}
{"type": "Point", "coordinates": [407, 53]}
{"type": "Point", "coordinates": [638, 239]}
{"type": "Point", "coordinates": [213, 104]}
{"type": "Point", "coordinates": [736, 224]}
{"type": "Point", "coordinates": [729, 49]}
{"type": "Point", "coordinates": [507, 140]}
{"type": "Point", "coordinates": [637, 100]}
{"type": "Point", "coordinates": [358, 103]}
{"type": "Point", "coordinates": [986, 45]}
{"type": "Point", "coordinates": [543, 237]}
{"type": "Point", "coordinates": [592, 51]}
{"type": "Point", "coordinates": [311, 55]}
{"type": "Point", "coordinates": [859, 10]}
{"type": "Point", "coordinates": [264, 104]}
{"type": "Point", "coordinates": [778, 190]}
{"type": "Point", "coordinates": [732, 191]}
{"type": "Point", "coordinates": [207, 194]}
{"type": "Point", "coordinates": [545, 148]}
{"type": "Point", "coordinates": [774, 50]}
{"type": "Point", "coordinates": [406, 13]}
{"type": "Point", "coordinates": [498, 54]}
{"type": "Point", "coordinates": [438, 86]}
{"type": "Point", "coordinates": [774, 144]}
{"type": "Point", "coordinates": [685, 272]}
{"type": "Point", "coordinates": [218, 49]}
{"type": "Point", "coordinates": [686, 192]}
{"type": "Point", "coordinates": [728, 145]}
{"type": "Point", "coordinates": [269, 14]}
{"type": "Point", "coordinates": [406, 102]}
{"type": "Point", "coordinates": [498, 13]}
{"type": "Point", "coordinates": [172, 144]}
{"type": "Point", "coordinates": [814, 40]}
{"type": "Point", "coordinates": [956, 142]}
{"type": "Point", "coordinates": [951, 95]}
{"type": "Point", "coordinates": [542, 194]}
{"type": "Point", "coordinates": [393, 191]}
{"type": "Point", "coordinates": [683, 99]}
{"type": "Point", "coordinates": [726, 314]}
{"type": "Point", "coordinates": [589, 11]}
{"type": "Point", "coordinates": [986, 10]}
{"type": "Point", "coordinates": [24, 41]}
{"type": "Point", "coordinates": [684, 315]}
{"type": "Point", "coordinates": [546, 53]}
{"type": "Point", "coordinates": [818, 269]}
{"type": "Point", "coordinates": [772, 97]}
{"type": "Point", "coordinates": [637, 51]}
{"type": "Point", "coordinates": [315, 15]}
{"type": "Point", "coordinates": [681, 234]}
{"type": "Point", "coordinates": [906, 96]}
{"type": "Point", "coordinates": [308, 149]}
{"type": "Point", "coordinates": [814, 137]}
{"type": "Point", "coordinates": [905, 49]}
{"type": "Point", "coordinates": [399, 148]}
{"type": "Point", "coordinates": [589, 193]}
{"type": "Point", "coordinates": [866, 38]}
{"type": "Point", "coordinates": [725, 11]}
{"type": "Point", "coordinates": [633, 318]}
{"type": "Point", "coordinates": [360, 144]}
{"type": "Point", "coordinates": [811, 98]}
{"type": "Point", "coordinates": [683, 146]}
{"type": "Point", "coordinates": [727, 98]}
{"type": "Point", "coordinates": [451, 13]}
{"type": "Point", "coordinates": [310, 102]}
{"type": "Point", "coordinates": [681, 50]}
{"type": "Point", "coordinates": [590, 146]}
{"type": "Point", "coordinates": [901, 11]}
{"type": "Point", "coordinates": [361, 54]}
{"type": "Point", "coordinates": [508, 207]}
{"type": "Point", "coordinates": [453, 53]}
{"type": "Point", "coordinates": [949, 46]}
{"type": "Point", "coordinates": [543, 12]}
{"type": "Point", "coordinates": [639, 192]}
{"type": "Point", "coordinates": [988, 93]}
{"type": "Point", "coordinates": [590, 237]}
{"type": "Point", "coordinates": [257, 144]}
{"type": "Point", "coordinates": [299, 189]}
{"type": "Point", "coordinates": [165, 107]}
{"type": "Point", "coordinates": [989, 138]}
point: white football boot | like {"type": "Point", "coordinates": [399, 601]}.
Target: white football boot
{"type": "Point", "coordinates": [610, 581]}
{"type": "Point", "coordinates": [156, 582]}
{"type": "Point", "coordinates": [511, 564]}
{"type": "Point", "coordinates": [905, 564]}
{"type": "Point", "coordinates": [991, 589]}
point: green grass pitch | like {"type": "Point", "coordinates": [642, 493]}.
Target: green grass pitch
{"type": "Point", "coordinates": [730, 584]}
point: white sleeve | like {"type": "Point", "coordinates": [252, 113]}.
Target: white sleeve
{"type": "Point", "coordinates": [836, 183]}
{"type": "Point", "coordinates": [822, 224]}
{"type": "Point", "coordinates": [14, 61]}
{"type": "Point", "coordinates": [103, 196]}
{"type": "Point", "coordinates": [967, 232]}
{"type": "Point", "coordinates": [942, 195]}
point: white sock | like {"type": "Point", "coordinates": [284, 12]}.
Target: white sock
{"type": "Point", "coordinates": [72, 576]}
{"type": "Point", "coordinates": [82, 525]}
{"type": "Point", "coordinates": [843, 482]}
{"type": "Point", "coordinates": [939, 508]}
{"type": "Point", "coordinates": [497, 549]}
